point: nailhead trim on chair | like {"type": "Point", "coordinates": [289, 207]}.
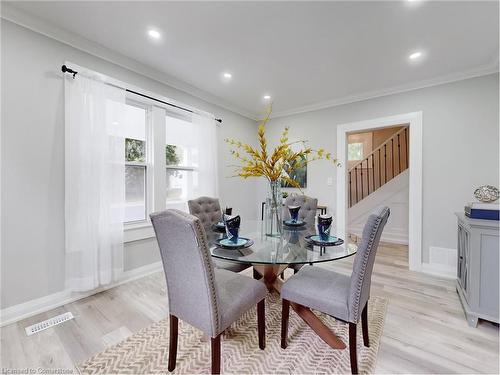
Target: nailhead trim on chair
{"type": "Point", "coordinates": [365, 261]}
{"type": "Point", "coordinates": [203, 245]}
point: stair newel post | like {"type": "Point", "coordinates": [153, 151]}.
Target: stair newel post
{"type": "Point", "coordinates": [392, 156]}
{"type": "Point", "coordinates": [367, 177]}
{"type": "Point", "coordinates": [385, 163]}
{"type": "Point", "coordinates": [379, 170]}
{"type": "Point", "coordinates": [350, 190]}
{"type": "Point", "coordinates": [356, 184]}
{"type": "Point", "coordinates": [399, 155]}
{"type": "Point", "coordinates": [406, 146]}
{"type": "Point", "coordinates": [373, 172]}
{"type": "Point", "coordinates": [362, 181]}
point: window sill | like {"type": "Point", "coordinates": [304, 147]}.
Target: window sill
{"type": "Point", "coordinates": [138, 231]}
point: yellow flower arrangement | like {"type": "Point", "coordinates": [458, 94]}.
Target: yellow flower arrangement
{"type": "Point", "coordinates": [278, 165]}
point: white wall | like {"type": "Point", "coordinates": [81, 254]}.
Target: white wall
{"type": "Point", "coordinates": [460, 146]}
{"type": "Point", "coordinates": [32, 251]}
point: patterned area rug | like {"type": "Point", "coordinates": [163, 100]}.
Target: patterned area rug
{"type": "Point", "coordinates": [146, 352]}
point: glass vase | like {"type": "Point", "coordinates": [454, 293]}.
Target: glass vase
{"type": "Point", "coordinates": [274, 210]}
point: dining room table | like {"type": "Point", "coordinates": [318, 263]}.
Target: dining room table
{"type": "Point", "coordinates": [270, 256]}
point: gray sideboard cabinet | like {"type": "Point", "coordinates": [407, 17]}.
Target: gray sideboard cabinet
{"type": "Point", "coordinates": [477, 268]}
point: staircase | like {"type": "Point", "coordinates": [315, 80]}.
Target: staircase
{"type": "Point", "coordinates": [379, 167]}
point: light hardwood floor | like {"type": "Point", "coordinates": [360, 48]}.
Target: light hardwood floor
{"type": "Point", "coordinates": [425, 329]}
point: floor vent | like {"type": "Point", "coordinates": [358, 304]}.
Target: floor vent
{"type": "Point", "coordinates": [35, 328]}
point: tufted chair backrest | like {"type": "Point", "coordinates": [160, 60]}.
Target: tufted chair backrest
{"type": "Point", "coordinates": [364, 260]}
{"type": "Point", "coordinates": [308, 207]}
{"type": "Point", "coordinates": [192, 292]}
{"type": "Point", "coordinates": [207, 210]}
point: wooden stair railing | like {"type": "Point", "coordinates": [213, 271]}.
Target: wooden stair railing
{"type": "Point", "coordinates": [380, 166]}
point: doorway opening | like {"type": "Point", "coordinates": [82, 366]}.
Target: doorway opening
{"type": "Point", "coordinates": [377, 174]}
{"type": "Point", "coordinates": [380, 158]}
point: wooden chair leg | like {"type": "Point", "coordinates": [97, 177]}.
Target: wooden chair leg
{"type": "Point", "coordinates": [285, 313]}
{"type": "Point", "coordinates": [216, 354]}
{"type": "Point", "coordinates": [364, 324]}
{"type": "Point", "coordinates": [352, 348]}
{"type": "Point", "coordinates": [261, 323]}
{"type": "Point", "coordinates": [172, 349]}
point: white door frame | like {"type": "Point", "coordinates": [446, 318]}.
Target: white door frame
{"type": "Point", "coordinates": [415, 188]}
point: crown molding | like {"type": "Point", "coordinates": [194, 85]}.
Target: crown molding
{"type": "Point", "coordinates": [36, 24]}
{"type": "Point", "coordinates": [484, 70]}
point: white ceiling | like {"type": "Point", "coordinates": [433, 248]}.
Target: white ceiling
{"type": "Point", "coordinates": [304, 54]}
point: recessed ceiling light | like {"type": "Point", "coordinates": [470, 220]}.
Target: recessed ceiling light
{"type": "Point", "coordinates": [413, 3]}
{"type": "Point", "coordinates": [267, 97]}
{"type": "Point", "coordinates": [155, 34]}
{"type": "Point", "coordinates": [415, 55]}
{"type": "Point", "coordinates": [227, 75]}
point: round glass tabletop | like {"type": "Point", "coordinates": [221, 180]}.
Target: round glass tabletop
{"type": "Point", "coordinates": [289, 248]}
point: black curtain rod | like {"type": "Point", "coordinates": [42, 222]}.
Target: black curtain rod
{"type": "Point", "coordinates": [65, 69]}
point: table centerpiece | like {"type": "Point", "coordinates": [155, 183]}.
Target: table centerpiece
{"type": "Point", "coordinates": [276, 167]}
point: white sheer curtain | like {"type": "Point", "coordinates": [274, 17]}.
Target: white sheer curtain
{"type": "Point", "coordinates": [206, 136]}
{"type": "Point", "coordinates": [196, 174]}
{"type": "Point", "coordinates": [95, 182]}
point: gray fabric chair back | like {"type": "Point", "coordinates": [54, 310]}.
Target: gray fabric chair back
{"type": "Point", "coordinates": [363, 262]}
{"type": "Point", "coordinates": [206, 209]}
{"type": "Point", "coordinates": [308, 207]}
{"type": "Point", "coordinates": [192, 293]}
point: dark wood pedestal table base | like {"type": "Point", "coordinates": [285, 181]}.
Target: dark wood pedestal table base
{"type": "Point", "coordinates": [273, 282]}
{"type": "Point", "coordinates": [271, 256]}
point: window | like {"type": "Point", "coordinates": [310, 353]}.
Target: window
{"type": "Point", "coordinates": [190, 159]}
{"type": "Point", "coordinates": [177, 164]}
{"type": "Point", "coordinates": [182, 161]}
{"type": "Point", "coordinates": [135, 163]}
{"type": "Point", "coordinates": [355, 151]}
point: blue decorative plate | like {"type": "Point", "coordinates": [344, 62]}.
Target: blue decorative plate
{"type": "Point", "coordinates": [297, 223]}
{"type": "Point", "coordinates": [331, 241]}
{"type": "Point", "coordinates": [226, 243]}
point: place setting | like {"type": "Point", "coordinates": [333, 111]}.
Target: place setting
{"type": "Point", "coordinates": [231, 239]}
{"type": "Point", "coordinates": [294, 221]}
{"type": "Point", "coordinates": [323, 238]}
{"type": "Point", "coordinates": [220, 227]}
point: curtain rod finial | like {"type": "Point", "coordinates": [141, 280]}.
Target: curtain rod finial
{"type": "Point", "coordinates": [65, 69]}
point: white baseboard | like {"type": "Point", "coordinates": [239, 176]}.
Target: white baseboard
{"type": "Point", "coordinates": [27, 309]}
{"type": "Point", "coordinates": [442, 262]}
{"type": "Point", "coordinates": [396, 237]}
{"type": "Point", "coordinates": [440, 270]}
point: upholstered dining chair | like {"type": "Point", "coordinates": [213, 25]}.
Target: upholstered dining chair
{"type": "Point", "coordinates": [307, 212]}
{"type": "Point", "coordinates": [207, 298]}
{"type": "Point", "coordinates": [208, 211]}
{"type": "Point", "coordinates": [343, 297]}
